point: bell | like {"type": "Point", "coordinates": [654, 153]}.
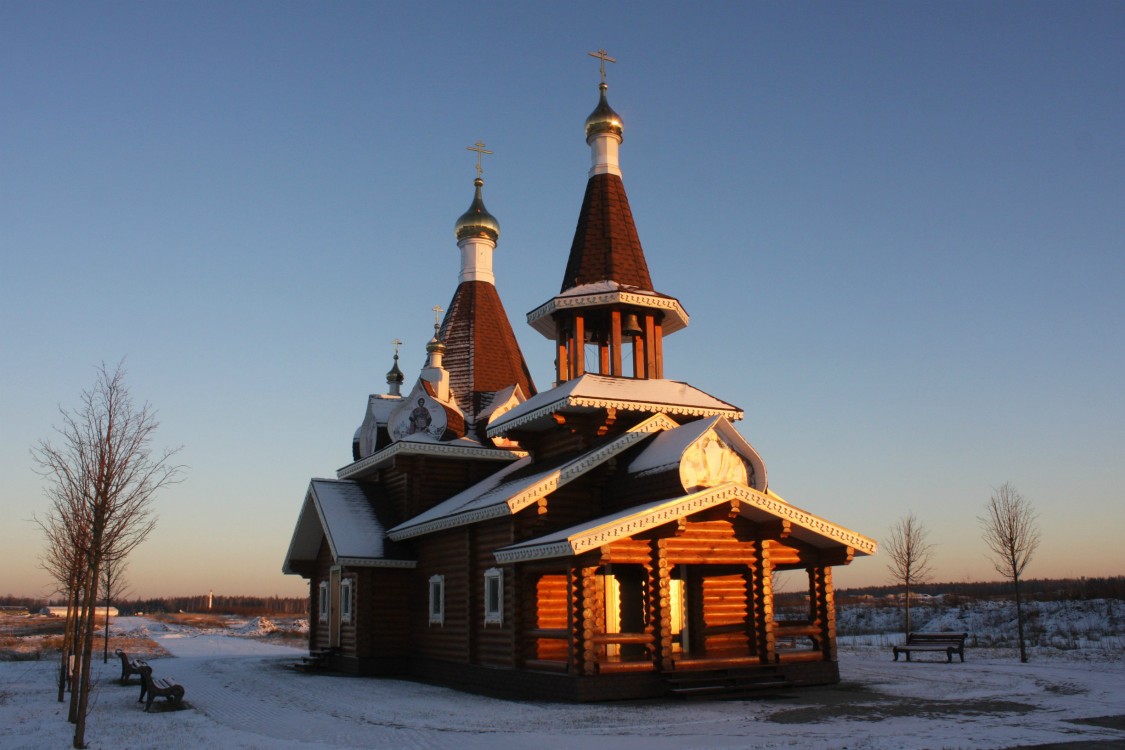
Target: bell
{"type": "Point", "coordinates": [630, 326]}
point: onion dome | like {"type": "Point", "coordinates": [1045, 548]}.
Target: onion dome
{"type": "Point", "coordinates": [434, 344]}
{"type": "Point", "coordinates": [603, 119]}
{"type": "Point", "coordinates": [394, 375]}
{"type": "Point", "coordinates": [477, 222]}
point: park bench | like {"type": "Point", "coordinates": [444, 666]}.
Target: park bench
{"type": "Point", "coordinates": [950, 643]}
{"type": "Point", "coordinates": [160, 687]}
{"type": "Point", "coordinates": [129, 666]}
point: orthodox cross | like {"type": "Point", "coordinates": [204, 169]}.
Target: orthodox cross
{"type": "Point", "coordinates": [604, 57]}
{"type": "Point", "coordinates": [396, 342]}
{"type": "Point", "coordinates": [437, 315]}
{"type": "Point", "coordinates": [480, 149]}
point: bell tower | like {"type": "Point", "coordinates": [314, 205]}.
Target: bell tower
{"type": "Point", "coordinates": [607, 319]}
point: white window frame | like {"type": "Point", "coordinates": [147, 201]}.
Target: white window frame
{"type": "Point", "coordinates": [346, 589]}
{"type": "Point", "coordinates": [324, 602]}
{"type": "Point", "coordinates": [437, 600]}
{"type": "Point", "coordinates": [494, 582]}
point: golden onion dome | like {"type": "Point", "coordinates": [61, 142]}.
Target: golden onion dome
{"type": "Point", "coordinates": [603, 119]}
{"type": "Point", "coordinates": [477, 222]}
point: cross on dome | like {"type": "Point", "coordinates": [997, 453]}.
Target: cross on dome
{"type": "Point", "coordinates": [480, 149]}
{"type": "Point", "coordinates": [604, 57]}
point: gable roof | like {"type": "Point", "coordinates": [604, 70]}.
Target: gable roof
{"type": "Point", "coordinates": [515, 487]}
{"type": "Point", "coordinates": [754, 505]}
{"type": "Point", "coordinates": [592, 391]}
{"type": "Point", "coordinates": [344, 514]}
{"type": "Point", "coordinates": [482, 355]}
{"type": "Point", "coordinates": [667, 449]}
{"type": "Point", "coordinates": [606, 246]}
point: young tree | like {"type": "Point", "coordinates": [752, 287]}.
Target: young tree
{"type": "Point", "coordinates": [101, 479]}
{"type": "Point", "coordinates": [909, 554]}
{"type": "Point", "coordinates": [1011, 531]}
{"type": "Point", "coordinates": [113, 584]}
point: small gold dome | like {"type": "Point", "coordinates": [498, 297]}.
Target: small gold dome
{"type": "Point", "coordinates": [603, 119]}
{"type": "Point", "coordinates": [477, 222]}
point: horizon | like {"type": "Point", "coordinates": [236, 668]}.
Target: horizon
{"type": "Point", "coordinates": [899, 231]}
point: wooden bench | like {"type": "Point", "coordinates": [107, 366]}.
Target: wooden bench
{"type": "Point", "coordinates": [162, 687]}
{"type": "Point", "coordinates": [129, 666]}
{"type": "Point", "coordinates": [950, 643]}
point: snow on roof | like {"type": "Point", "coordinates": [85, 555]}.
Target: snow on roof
{"type": "Point", "coordinates": [667, 449]}
{"type": "Point", "coordinates": [628, 394]}
{"type": "Point", "coordinates": [462, 447]}
{"type": "Point", "coordinates": [342, 512]}
{"type": "Point", "coordinates": [756, 506]}
{"type": "Point", "coordinates": [507, 492]}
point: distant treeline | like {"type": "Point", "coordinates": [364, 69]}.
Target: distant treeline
{"type": "Point", "coordinates": [1042, 589]}
{"type": "Point", "coordinates": [223, 605]}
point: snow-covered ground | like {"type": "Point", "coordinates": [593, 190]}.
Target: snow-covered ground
{"type": "Point", "coordinates": [240, 694]}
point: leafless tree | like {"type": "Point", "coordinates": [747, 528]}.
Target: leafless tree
{"type": "Point", "coordinates": [115, 589]}
{"type": "Point", "coordinates": [1011, 531]}
{"type": "Point", "coordinates": [101, 479]}
{"type": "Point", "coordinates": [909, 554]}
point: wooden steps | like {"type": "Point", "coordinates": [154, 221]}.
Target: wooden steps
{"type": "Point", "coordinates": [725, 683]}
{"type": "Point", "coordinates": [315, 661]}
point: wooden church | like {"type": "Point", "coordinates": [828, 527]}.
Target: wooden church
{"type": "Point", "coordinates": [611, 537]}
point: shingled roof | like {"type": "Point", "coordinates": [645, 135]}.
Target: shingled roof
{"type": "Point", "coordinates": [606, 246]}
{"type": "Point", "coordinates": [481, 352]}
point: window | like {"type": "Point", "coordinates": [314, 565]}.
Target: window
{"type": "Point", "coordinates": [323, 602]}
{"type": "Point", "coordinates": [346, 600]}
{"type": "Point", "coordinates": [437, 600]}
{"type": "Point", "coordinates": [494, 596]}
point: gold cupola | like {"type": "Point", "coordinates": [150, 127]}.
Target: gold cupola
{"type": "Point", "coordinates": [477, 221]}
{"type": "Point", "coordinates": [603, 119]}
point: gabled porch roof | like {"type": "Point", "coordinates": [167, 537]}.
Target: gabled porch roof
{"type": "Point", "coordinates": [752, 504]}
{"type": "Point", "coordinates": [343, 514]}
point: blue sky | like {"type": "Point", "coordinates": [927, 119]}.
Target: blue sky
{"type": "Point", "coordinates": [899, 229]}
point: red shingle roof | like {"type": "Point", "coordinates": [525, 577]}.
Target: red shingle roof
{"type": "Point", "coordinates": [606, 246]}
{"type": "Point", "coordinates": [481, 352]}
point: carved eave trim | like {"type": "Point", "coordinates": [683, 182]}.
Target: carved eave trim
{"type": "Point", "coordinates": [545, 486]}
{"type": "Point", "coordinates": [371, 562]}
{"type": "Point", "coordinates": [542, 318]}
{"type": "Point", "coordinates": [589, 402]}
{"type": "Point", "coordinates": [385, 457]}
{"type": "Point", "coordinates": [620, 527]}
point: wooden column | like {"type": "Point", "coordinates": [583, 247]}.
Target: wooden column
{"type": "Point", "coordinates": [578, 355]}
{"type": "Point", "coordinates": [763, 605]}
{"type": "Point", "coordinates": [615, 343]}
{"type": "Point", "coordinates": [562, 358]}
{"type": "Point", "coordinates": [662, 621]}
{"type": "Point", "coordinates": [658, 347]}
{"type": "Point", "coordinates": [603, 356]}
{"type": "Point", "coordinates": [639, 356]}
{"type": "Point", "coordinates": [591, 621]}
{"type": "Point", "coordinates": [824, 602]}
{"type": "Point", "coordinates": [650, 347]}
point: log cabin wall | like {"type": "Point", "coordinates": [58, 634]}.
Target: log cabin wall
{"type": "Point", "coordinates": [493, 644]}
{"type": "Point", "coordinates": [448, 554]}
{"type": "Point", "coordinates": [319, 635]}
{"type": "Point", "coordinates": [384, 600]}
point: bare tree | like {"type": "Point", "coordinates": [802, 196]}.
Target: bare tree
{"type": "Point", "coordinates": [113, 584]}
{"type": "Point", "coordinates": [101, 480]}
{"type": "Point", "coordinates": [909, 554]}
{"type": "Point", "coordinates": [1011, 531]}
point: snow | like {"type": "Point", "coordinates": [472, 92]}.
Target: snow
{"type": "Point", "coordinates": [240, 694]}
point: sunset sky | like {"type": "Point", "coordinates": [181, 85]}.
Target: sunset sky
{"type": "Point", "coordinates": [899, 230]}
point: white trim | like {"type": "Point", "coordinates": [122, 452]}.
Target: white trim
{"type": "Point", "coordinates": [385, 457]}
{"type": "Point", "coordinates": [323, 602]}
{"type": "Point", "coordinates": [494, 581]}
{"type": "Point", "coordinates": [369, 562]}
{"type": "Point", "coordinates": [569, 401]}
{"type": "Point", "coordinates": [437, 599]}
{"type": "Point", "coordinates": [542, 318]}
{"type": "Point", "coordinates": [347, 591]}
{"type": "Point", "coordinates": [579, 539]}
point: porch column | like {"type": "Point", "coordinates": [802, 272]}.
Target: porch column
{"type": "Point", "coordinates": [589, 622]}
{"type": "Point", "coordinates": [763, 605]}
{"type": "Point", "coordinates": [662, 621]}
{"type": "Point", "coordinates": [823, 601]}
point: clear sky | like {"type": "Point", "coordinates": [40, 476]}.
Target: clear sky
{"type": "Point", "coordinates": [899, 229]}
